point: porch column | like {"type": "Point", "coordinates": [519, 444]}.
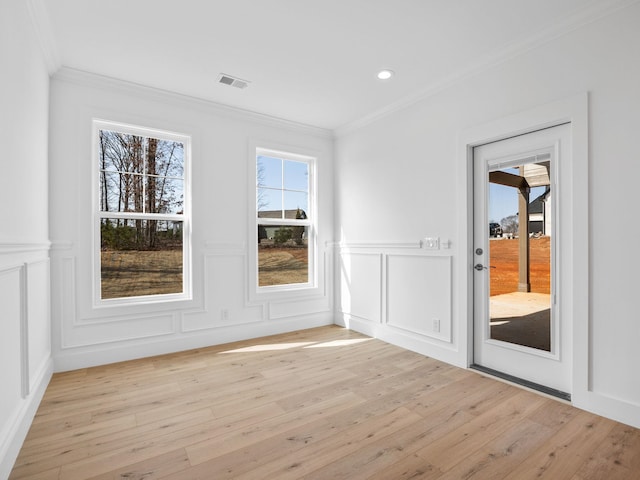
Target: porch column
{"type": "Point", "coordinates": [524, 277]}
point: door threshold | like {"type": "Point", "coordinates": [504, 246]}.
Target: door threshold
{"type": "Point", "coordinates": [525, 383]}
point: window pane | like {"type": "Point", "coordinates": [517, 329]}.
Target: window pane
{"type": "Point", "coordinates": [294, 201]}
{"type": "Point", "coordinates": [135, 173]}
{"type": "Point", "coordinates": [169, 159]}
{"type": "Point", "coordinates": [121, 192]}
{"type": "Point", "coordinates": [166, 195]}
{"type": "Point", "coordinates": [296, 176]}
{"type": "Point", "coordinates": [269, 203]}
{"type": "Point", "coordinates": [283, 255]}
{"type": "Point", "coordinates": [140, 257]}
{"type": "Point", "coordinates": [269, 172]}
{"type": "Point", "coordinates": [121, 152]}
{"type": "Point", "coordinates": [109, 192]}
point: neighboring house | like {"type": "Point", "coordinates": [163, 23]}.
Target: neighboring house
{"type": "Point", "coordinates": [540, 214]}
{"type": "Point", "coordinates": [267, 232]}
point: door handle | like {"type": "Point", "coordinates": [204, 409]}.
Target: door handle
{"type": "Point", "coordinates": [480, 267]}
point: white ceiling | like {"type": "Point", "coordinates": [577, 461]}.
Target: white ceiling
{"type": "Point", "coordinates": [308, 61]}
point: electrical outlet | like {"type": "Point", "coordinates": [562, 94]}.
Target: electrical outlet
{"type": "Point", "coordinates": [224, 314]}
{"type": "Point", "coordinates": [436, 325]}
{"type": "Point", "coordinates": [431, 243]}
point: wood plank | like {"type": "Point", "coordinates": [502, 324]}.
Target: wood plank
{"type": "Point", "coordinates": [562, 454]}
{"type": "Point", "coordinates": [464, 441]}
{"type": "Point", "coordinates": [502, 455]}
{"type": "Point", "coordinates": [327, 452]}
{"type": "Point", "coordinates": [148, 469]}
{"type": "Point", "coordinates": [215, 447]}
{"type": "Point", "coordinates": [318, 403]}
{"type": "Point", "coordinates": [615, 458]}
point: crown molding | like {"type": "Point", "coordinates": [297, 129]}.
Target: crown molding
{"type": "Point", "coordinates": [88, 79]}
{"type": "Point", "coordinates": [44, 34]}
{"type": "Point", "coordinates": [595, 11]}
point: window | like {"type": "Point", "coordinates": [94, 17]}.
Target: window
{"type": "Point", "coordinates": [285, 220]}
{"type": "Point", "coordinates": [142, 225]}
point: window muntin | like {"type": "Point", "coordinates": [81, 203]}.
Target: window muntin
{"type": "Point", "coordinates": [283, 185]}
{"type": "Point", "coordinates": [285, 220]}
{"type": "Point", "coordinates": [142, 215]}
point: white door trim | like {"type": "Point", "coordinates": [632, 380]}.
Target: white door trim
{"type": "Point", "coordinates": [575, 111]}
{"type": "Point", "coordinates": [550, 370]}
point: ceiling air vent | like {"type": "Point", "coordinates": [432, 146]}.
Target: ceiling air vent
{"type": "Point", "coordinates": [233, 81]}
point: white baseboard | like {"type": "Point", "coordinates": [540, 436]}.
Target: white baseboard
{"type": "Point", "coordinates": [73, 359]}
{"type": "Point", "coordinates": [11, 443]}
{"type": "Point", "coordinates": [410, 341]}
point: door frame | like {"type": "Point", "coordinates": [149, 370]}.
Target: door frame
{"type": "Point", "coordinates": [575, 183]}
{"type": "Point", "coordinates": [546, 371]}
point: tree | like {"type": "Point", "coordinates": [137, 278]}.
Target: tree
{"type": "Point", "coordinates": [143, 175]}
{"type": "Point", "coordinates": [261, 200]}
{"type": "Point", "coordinates": [298, 232]}
{"type": "Point", "coordinates": [510, 224]}
{"type": "Point", "coordinates": [282, 235]}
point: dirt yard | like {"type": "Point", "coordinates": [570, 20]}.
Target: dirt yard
{"type": "Point", "coordinates": [132, 273]}
{"type": "Point", "coordinates": [504, 256]}
{"type": "Point", "coordinates": [282, 265]}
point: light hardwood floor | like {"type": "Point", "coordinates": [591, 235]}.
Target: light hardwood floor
{"type": "Point", "coordinates": [318, 404]}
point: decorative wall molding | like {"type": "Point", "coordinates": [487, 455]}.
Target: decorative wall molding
{"type": "Point", "coordinates": [61, 245]}
{"type": "Point", "coordinates": [425, 295]}
{"type": "Point", "coordinates": [24, 247]}
{"type": "Point", "coordinates": [19, 272]}
{"type": "Point", "coordinates": [102, 333]}
{"type": "Point", "coordinates": [384, 303]}
{"type": "Point", "coordinates": [24, 330]}
{"type": "Point", "coordinates": [67, 291]}
{"type": "Point", "coordinates": [363, 301]}
{"type": "Point", "coordinates": [189, 327]}
{"type": "Point", "coordinates": [38, 317]}
{"type": "Point", "coordinates": [210, 319]}
{"type": "Point", "coordinates": [87, 79]}
{"type": "Point", "coordinates": [12, 434]}
{"type": "Point", "coordinates": [388, 247]}
{"type": "Point", "coordinates": [375, 246]}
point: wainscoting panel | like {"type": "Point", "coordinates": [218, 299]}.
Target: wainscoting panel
{"type": "Point", "coordinates": [279, 310]}
{"type": "Point", "coordinates": [25, 351]}
{"type": "Point", "coordinates": [224, 292]}
{"type": "Point", "coordinates": [38, 318]}
{"type": "Point", "coordinates": [419, 294]}
{"type": "Point", "coordinates": [126, 328]}
{"type": "Point", "coordinates": [10, 346]}
{"type": "Point", "coordinates": [360, 293]}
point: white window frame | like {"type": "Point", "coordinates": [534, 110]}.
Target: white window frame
{"type": "Point", "coordinates": [184, 218]}
{"type": "Point", "coordinates": [256, 292]}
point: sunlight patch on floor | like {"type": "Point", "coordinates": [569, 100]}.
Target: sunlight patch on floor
{"type": "Point", "coordinates": [285, 346]}
{"type": "Point", "coordinates": [269, 347]}
{"type": "Point", "coordinates": [339, 343]}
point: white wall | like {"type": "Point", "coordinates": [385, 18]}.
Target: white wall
{"type": "Point", "coordinates": [398, 180]}
{"type": "Point", "coordinates": [25, 353]}
{"type": "Point", "coordinates": [84, 334]}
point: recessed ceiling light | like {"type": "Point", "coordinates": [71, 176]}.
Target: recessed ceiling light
{"type": "Point", "coordinates": [385, 74]}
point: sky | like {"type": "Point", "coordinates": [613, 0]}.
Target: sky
{"type": "Point", "coordinates": [503, 201]}
{"type": "Point", "coordinates": [285, 182]}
